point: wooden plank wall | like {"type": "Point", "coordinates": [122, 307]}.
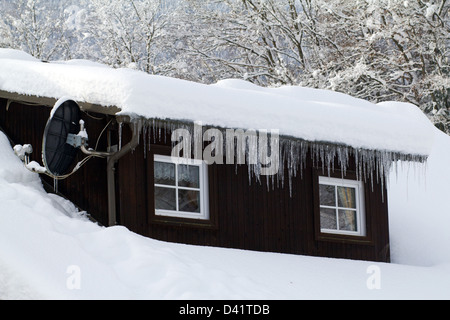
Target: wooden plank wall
{"type": "Point", "coordinates": [244, 214]}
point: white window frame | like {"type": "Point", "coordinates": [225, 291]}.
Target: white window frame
{"type": "Point", "coordinates": [203, 188]}
{"type": "Point", "coordinates": [360, 209]}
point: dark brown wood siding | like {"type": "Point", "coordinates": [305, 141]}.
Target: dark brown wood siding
{"type": "Point", "coordinates": [87, 187]}
{"type": "Point", "coordinates": [244, 213]}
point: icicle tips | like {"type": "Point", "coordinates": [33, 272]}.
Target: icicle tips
{"type": "Point", "coordinates": [236, 146]}
{"type": "Point", "coordinates": [267, 153]}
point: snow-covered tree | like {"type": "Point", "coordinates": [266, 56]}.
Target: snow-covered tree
{"type": "Point", "coordinates": [373, 49]}
{"type": "Point", "coordinates": [263, 41]}
{"type": "Point", "coordinates": [77, 19]}
{"type": "Point", "coordinates": [389, 50]}
{"type": "Point", "coordinates": [133, 33]}
{"type": "Point", "coordinates": [27, 25]}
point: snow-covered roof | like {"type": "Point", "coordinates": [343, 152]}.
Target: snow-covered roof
{"type": "Point", "coordinates": [304, 113]}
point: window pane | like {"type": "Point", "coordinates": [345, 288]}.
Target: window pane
{"type": "Point", "coordinates": [346, 197]}
{"type": "Point", "coordinates": [188, 176]}
{"type": "Point", "coordinates": [327, 195]}
{"type": "Point", "coordinates": [164, 173]}
{"type": "Point", "coordinates": [347, 220]}
{"type": "Point", "coordinates": [188, 200]}
{"type": "Point", "coordinates": [165, 198]}
{"type": "Point", "coordinates": [328, 218]}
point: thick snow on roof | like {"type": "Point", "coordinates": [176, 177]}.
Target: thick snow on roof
{"type": "Point", "coordinates": [305, 113]}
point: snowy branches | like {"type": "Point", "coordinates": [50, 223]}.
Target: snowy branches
{"type": "Point", "coordinates": [401, 52]}
{"type": "Point", "coordinates": [131, 33]}
{"type": "Point", "coordinates": [27, 26]}
{"type": "Point", "coordinates": [373, 49]}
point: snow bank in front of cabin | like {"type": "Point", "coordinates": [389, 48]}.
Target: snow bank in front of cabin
{"type": "Point", "coordinates": [419, 206]}
{"type": "Point", "coordinates": [6, 53]}
{"type": "Point", "coordinates": [309, 114]}
{"type": "Point", "coordinates": [48, 250]}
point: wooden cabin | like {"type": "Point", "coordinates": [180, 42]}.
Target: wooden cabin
{"type": "Point", "coordinates": [320, 206]}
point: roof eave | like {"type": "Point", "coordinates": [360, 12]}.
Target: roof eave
{"type": "Point", "coordinates": [165, 123]}
{"type": "Point", "coordinates": [48, 101]}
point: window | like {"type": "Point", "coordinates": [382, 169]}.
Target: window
{"type": "Point", "coordinates": [341, 206]}
{"type": "Point", "coordinates": [180, 187]}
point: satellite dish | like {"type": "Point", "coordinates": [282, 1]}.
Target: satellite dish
{"type": "Point", "coordinates": [57, 154]}
{"type": "Point", "coordinates": [64, 134]}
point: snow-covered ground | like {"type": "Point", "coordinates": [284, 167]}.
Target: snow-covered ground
{"type": "Point", "coordinates": [48, 250]}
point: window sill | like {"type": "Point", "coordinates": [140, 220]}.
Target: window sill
{"type": "Point", "coordinates": [344, 238]}
{"type": "Point", "coordinates": [182, 222]}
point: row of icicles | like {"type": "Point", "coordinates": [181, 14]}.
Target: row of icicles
{"type": "Point", "coordinates": [293, 154]}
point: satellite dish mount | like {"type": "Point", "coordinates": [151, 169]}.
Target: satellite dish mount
{"type": "Point", "coordinates": [64, 135]}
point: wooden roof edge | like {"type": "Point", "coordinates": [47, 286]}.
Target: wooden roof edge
{"type": "Point", "coordinates": [131, 118]}
{"type": "Point", "coordinates": [50, 102]}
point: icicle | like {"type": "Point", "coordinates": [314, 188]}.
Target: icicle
{"type": "Point", "coordinates": [138, 129]}
{"type": "Point", "coordinates": [149, 134]}
{"type": "Point", "coordinates": [293, 155]}
{"type": "Point", "coordinates": [154, 130]}
{"type": "Point", "coordinates": [144, 136]}
{"type": "Point", "coordinates": [120, 135]}
{"type": "Point", "coordinates": [290, 166]}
